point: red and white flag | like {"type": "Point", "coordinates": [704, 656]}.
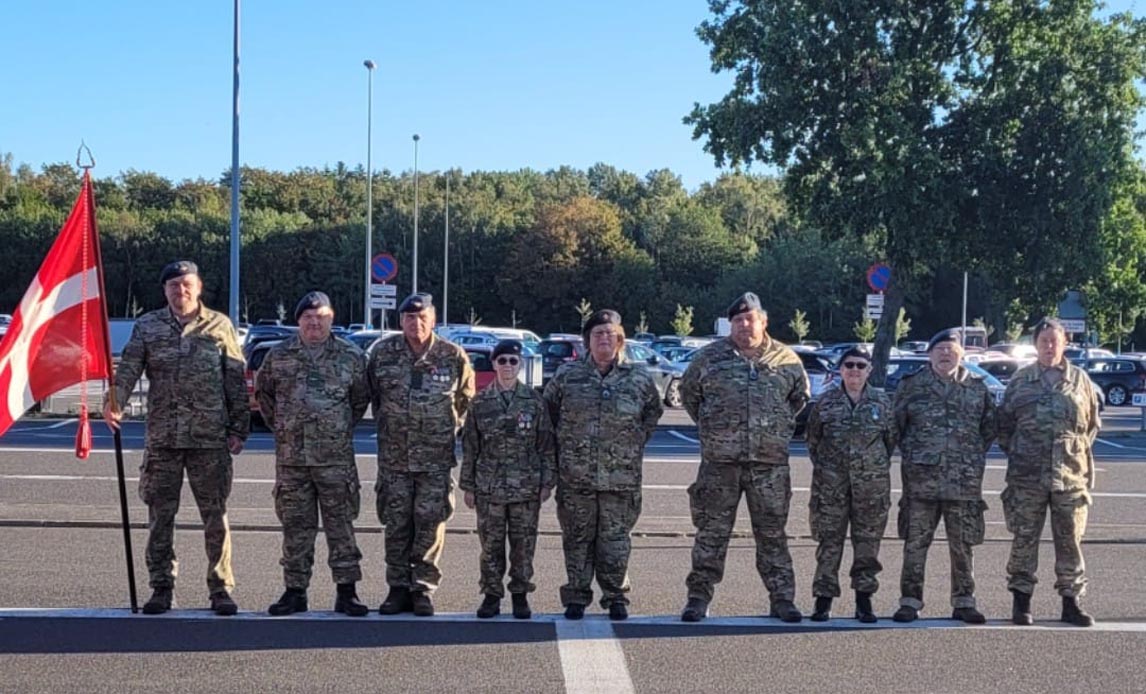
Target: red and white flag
{"type": "Point", "coordinates": [59, 336]}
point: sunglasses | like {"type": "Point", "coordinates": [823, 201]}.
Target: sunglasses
{"type": "Point", "coordinates": [854, 365]}
{"type": "Point", "coordinates": [508, 361]}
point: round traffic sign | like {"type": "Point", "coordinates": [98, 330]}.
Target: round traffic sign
{"type": "Point", "coordinates": [383, 267]}
{"type": "Point", "coordinates": [878, 277]}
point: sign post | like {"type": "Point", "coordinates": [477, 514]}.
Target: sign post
{"type": "Point", "coordinates": [383, 268]}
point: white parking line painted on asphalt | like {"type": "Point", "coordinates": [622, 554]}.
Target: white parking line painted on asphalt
{"type": "Point", "coordinates": [682, 437]}
{"type": "Point", "coordinates": [591, 658]}
{"type": "Point", "coordinates": [61, 423]}
{"type": "Point", "coordinates": [1120, 445]}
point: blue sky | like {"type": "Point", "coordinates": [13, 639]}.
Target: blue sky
{"type": "Point", "coordinates": [490, 84]}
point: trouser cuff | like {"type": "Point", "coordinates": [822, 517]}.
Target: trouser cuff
{"type": "Point", "coordinates": [914, 603]}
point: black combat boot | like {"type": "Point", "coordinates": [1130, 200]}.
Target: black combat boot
{"type": "Point", "coordinates": [1021, 609]}
{"type": "Point", "coordinates": [397, 601]}
{"type": "Point", "coordinates": [160, 601]}
{"type": "Point", "coordinates": [695, 610]}
{"type": "Point", "coordinates": [348, 603]}
{"type": "Point", "coordinates": [423, 605]}
{"type": "Point", "coordinates": [618, 611]}
{"type": "Point", "coordinates": [905, 613]}
{"type": "Point", "coordinates": [490, 607]}
{"type": "Point", "coordinates": [223, 604]}
{"type": "Point", "coordinates": [1073, 614]}
{"type": "Point", "coordinates": [293, 600]}
{"type": "Point", "coordinates": [521, 606]}
{"type": "Point", "coordinates": [786, 611]}
{"type": "Point", "coordinates": [968, 615]}
{"type": "Point", "coordinates": [864, 613]}
{"type": "Point", "coordinates": [574, 611]}
{"type": "Point", "coordinates": [823, 610]}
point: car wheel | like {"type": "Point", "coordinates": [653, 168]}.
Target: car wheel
{"type": "Point", "coordinates": [1116, 396]}
{"type": "Point", "coordinates": [672, 393]}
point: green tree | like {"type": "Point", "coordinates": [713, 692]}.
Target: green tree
{"type": "Point", "coordinates": [682, 321]}
{"type": "Point", "coordinates": [643, 323]}
{"type": "Point", "coordinates": [902, 325]}
{"type": "Point", "coordinates": [799, 325]}
{"type": "Point", "coordinates": [864, 330]}
{"type": "Point", "coordinates": [584, 309]}
{"type": "Point", "coordinates": [956, 131]}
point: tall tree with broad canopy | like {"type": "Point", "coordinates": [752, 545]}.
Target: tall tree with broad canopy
{"type": "Point", "coordinates": [955, 133]}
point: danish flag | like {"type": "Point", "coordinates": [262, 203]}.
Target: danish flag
{"type": "Point", "coordinates": [59, 336]}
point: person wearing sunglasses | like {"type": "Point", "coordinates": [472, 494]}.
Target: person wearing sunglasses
{"type": "Point", "coordinates": [604, 409]}
{"type": "Point", "coordinates": [420, 389]}
{"type": "Point", "coordinates": [508, 471]}
{"type": "Point", "coordinates": [851, 434]}
{"type": "Point", "coordinates": [744, 393]}
{"type": "Point", "coordinates": [945, 419]}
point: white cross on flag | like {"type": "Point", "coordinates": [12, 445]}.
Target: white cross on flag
{"type": "Point", "coordinates": [58, 336]}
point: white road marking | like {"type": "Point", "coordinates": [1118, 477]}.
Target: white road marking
{"type": "Point", "coordinates": [682, 437]}
{"type": "Point", "coordinates": [1120, 445]}
{"type": "Point", "coordinates": [591, 658]}
{"type": "Point", "coordinates": [62, 423]}
{"type": "Point", "coordinates": [597, 631]}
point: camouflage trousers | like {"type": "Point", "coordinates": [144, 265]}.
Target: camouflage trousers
{"type": "Point", "coordinates": [713, 500]}
{"type": "Point", "coordinates": [300, 493]}
{"type": "Point", "coordinates": [964, 524]}
{"type": "Point", "coordinates": [835, 504]}
{"type": "Point", "coordinates": [160, 486]}
{"type": "Point", "coordinates": [1025, 510]}
{"type": "Point", "coordinates": [496, 521]}
{"type": "Point", "coordinates": [414, 507]}
{"type": "Point", "coordinates": [595, 536]}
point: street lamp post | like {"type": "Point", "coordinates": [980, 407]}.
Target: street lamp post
{"type": "Point", "coordinates": [446, 261]}
{"type": "Point", "coordinates": [416, 138]}
{"type": "Point", "coordinates": [369, 190]}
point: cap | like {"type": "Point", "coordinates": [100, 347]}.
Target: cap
{"type": "Point", "coordinates": [416, 302]}
{"type": "Point", "coordinates": [605, 316]}
{"type": "Point", "coordinates": [950, 335]}
{"type": "Point", "coordinates": [310, 301]}
{"type": "Point", "coordinates": [858, 351]}
{"type": "Point", "coordinates": [178, 269]}
{"type": "Point", "coordinates": [511, 347]}
{"type": "Point", "coordinates": [747, 301]}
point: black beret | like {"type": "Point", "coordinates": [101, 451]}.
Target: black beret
{"type": "Point", "coordinates": [510, 347]}
{"type": "Point", "coordinates": [744, 303]}
{"type": "Point", "coordinates": [311, 300]}
{"type": "Point", "coordinates": [950, 335]}
{"type": "Point", "coordinates": [605, 316]}
{"type": "Point", "coordinates": [178, 269]}
{"type": "Point", "coordinates": [856, 351]}
{"type": "Point", "coordinates": [416, 302]}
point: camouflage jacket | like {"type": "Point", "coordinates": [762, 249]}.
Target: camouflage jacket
{"type": "Point", "coordinates": [312, 402]}
{"type": "Point", "coordinates": [745, 409]}
{"type": "Point", "coordinates": [602, 423]}
{"type": "Point", "coordinates": [420, 402]}
{"type": "Point", "coordinates": [1047, 431]}
{"type": "Point", "coordinates": [507, 448]}
{"type": "Point", "coordinates": [852, 440]}
{"type": "Point", "coordinates": [197, 388]}
{"type": "Point", "coordinates": [945, 430]}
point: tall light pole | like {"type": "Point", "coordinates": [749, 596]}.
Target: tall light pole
{"type": "Point", "coordinates": [233, 304]}
{"type": "Point", "coordinates": [446, 261]}
{"type": "Point", "coordinates": [369, 190]}
{"type": "Point", "coordinates": [416, 138]}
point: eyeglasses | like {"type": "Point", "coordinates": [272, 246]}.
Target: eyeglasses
{"type": "Point", "coordinates": [854, 365]}
{"type": "Point", "coordinates": [510, 361]}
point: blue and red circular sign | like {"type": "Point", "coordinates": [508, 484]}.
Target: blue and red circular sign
{"type": "Point", "coordinates": [879, 277]}
{"type": "Point", "coordinates": [383, 267]}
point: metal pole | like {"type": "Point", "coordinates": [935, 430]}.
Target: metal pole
{"type": "Point", "coordinates": [234, 302]}
{"type": "Point", "coordinates": [415, 289]}
{"type": "Point", "coordinates": [963, 332]}
{"type": "Point", "coordinates": [369, 191]}
{"type": "Point", "coordinates": [446, 261]}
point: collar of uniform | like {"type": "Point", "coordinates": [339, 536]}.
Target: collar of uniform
{"type": "Point", "coordinates": [174, 320]}
{"type": "Point", "coordinates": [430, 344]}
{"type": "Point", "coordinates": [295, 343]}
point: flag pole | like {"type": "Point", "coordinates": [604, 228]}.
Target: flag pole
{"type": "Point", "coordinates": [125, 519]}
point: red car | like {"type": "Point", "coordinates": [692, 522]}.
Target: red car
{"type": "Point", "coordinates": [480, 360]}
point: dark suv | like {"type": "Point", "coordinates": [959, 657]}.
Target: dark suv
{"type": "Point", "coordinates": [555, 352]}
{"type": "Point", "coordinates": [1118, 378]}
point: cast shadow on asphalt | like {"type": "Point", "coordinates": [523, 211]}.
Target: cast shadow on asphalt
{"type": "Point", "coordinates": [118, 631]}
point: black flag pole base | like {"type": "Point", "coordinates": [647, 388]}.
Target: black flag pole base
{"type": "Point", "coordinates": [126, 522]}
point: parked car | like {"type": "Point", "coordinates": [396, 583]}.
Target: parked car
{"type": "Point", "coordinates": [666, 374]}
{"type": "Point", "coordinates": [1001, 367]}
{"type": "Point", "coordinates": [255, 353]}
{"type": "Point", "coordinates": [481, 358]}
{"type": "Point", "coordinates": [1080, 355]}
{"type": "Point", "coordinates": [366, 339]}
{"type": "Point", "coordinates": [264, 333]}
{"type": "Point", "coordinates": [1013, 350]}
{"type": "Point", "coordinates": [898, 367]}
{"type": "Point", "coordinates": [913, 346]}
{"type": "Point", "coordinates": [675, 353]}
{"type": "Point", "coordinates": [555, 352]}
{"type": "Point", "coordinates": [643, 338]}
{"type": "Point", "coordinates": [480, 334]}
{"type": "Point", "coordinates": [1118, 378]}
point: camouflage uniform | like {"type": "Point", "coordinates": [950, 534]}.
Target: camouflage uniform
{"type": "Point", "coordinates": [311, 399]}
{"type": "Point", "coordinates": [945, 430]}
{"type": "Point", "coordinates": [850, 446]}
{"type": "Point", "coordinates": [745, 411]}
{"type": "Point", "coordinates": [1047, 431]}
{"type": "Point", "coordinates": [507, 460]}
{"type": "Point", "coordinates": [601, 425]}
{"type": "Point", "coordinates": [196, 398]}
{"type": "Point", "coordinates": [420, 403]}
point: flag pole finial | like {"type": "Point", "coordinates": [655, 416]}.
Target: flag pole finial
{"type": "Point", "coordinates": [80, 152]}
